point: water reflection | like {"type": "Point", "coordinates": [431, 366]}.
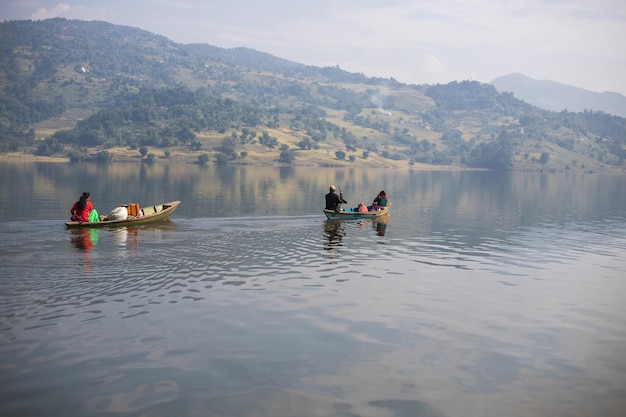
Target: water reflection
{"type": "Point", "coordinates": [334, 231]}
{"type": "Point", "coordinates": [84, 239]}
{"type": "Point", "coordinates": [380, 225]}
{"type": "Point", "coordinates": [127, 238]}
{"type": "Point", "coordinates": [246, 314]}
{"type": "Point", "coordinates": [435, 198]}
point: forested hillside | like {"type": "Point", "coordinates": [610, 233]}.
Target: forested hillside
{"type": "Point", "coordinates": [93, 90]}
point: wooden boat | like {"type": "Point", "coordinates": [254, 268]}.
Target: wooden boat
{"type": "Point", "coordinates": [147, 214]}
{"type": "Point", "coordinates": [352, 214]}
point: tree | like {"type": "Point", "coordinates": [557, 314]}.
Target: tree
{"type": "Point", "coordinates": [221, 159]}
{"type": "Point", "coordinates": [195, 146]}
{"type": "Point", "coordinates": [306, 143]}
{"type": "Point", "coordinates": [246, 134]}
{"type": "Point", "coordinates": [228, 146]}
{"type": "Point", "coordinates": [76, 155]}
{"type": "Point", "coordinates": [103, 156]}
{"type": "Point", "coordinates": [493, 155]}
{"type": "Point", "coordinates": [143, 151]}
{"type": "Point", "coordinates": [268, 141]}
{"type": "Point", "coordinates": [341, 155]}
{"type": "Point", "coordinates": [545, 157]}
{"type": "Point", "coordinates": [48, 147]}
{"type": "Point", "coordinates": [203, 159]}
{"type": "Point", "coordinates": [287, 156]}
{"type": "Point", "coordinates": [185, 135]}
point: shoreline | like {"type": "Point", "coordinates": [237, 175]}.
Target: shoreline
{"type": "Point", "coordinates": [19, 156]}
{"type": "Point", "coordinates": [189, 159]}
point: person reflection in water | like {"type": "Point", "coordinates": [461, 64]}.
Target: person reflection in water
{"type": "Point", "coordinates": [380, 227]}
{"type": "Point", "coordinates": [84, 239]}
{"type": "Point", "coordinates": [334, 232]}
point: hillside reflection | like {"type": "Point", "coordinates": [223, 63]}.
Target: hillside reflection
{"type": "Point", "coordinates": [431, 199]}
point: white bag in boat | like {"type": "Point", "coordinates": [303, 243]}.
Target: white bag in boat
{"type": "Point", "coordinates": [118, 213]}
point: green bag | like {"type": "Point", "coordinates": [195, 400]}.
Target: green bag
{"type": "Point", "coordinates": [93, 216]}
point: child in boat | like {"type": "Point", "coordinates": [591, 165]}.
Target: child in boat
{"type": "Point", "coordinates": [380, 201]}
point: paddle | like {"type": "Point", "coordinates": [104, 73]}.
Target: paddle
{"type": "Point", "coordinates": [341, 195]}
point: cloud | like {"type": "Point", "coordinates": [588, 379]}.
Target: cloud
{"type": "Point", "coordinates": [426, 41]}
{"type": "Point", "coordinates": [430, 64]}
{"type": "Point", "coordinates": [61, 9]}
{"type": "Point", "coordinates": [70, 11]}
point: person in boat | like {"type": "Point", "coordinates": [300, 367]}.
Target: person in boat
{"type": "Point", "coordinates": [80, 210]}
{"type": "Point", "coordinates": [380, 201]}
{"type": "Point", "coordinates": [334, 201]}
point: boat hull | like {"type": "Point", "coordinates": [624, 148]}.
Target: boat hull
{"type": "Point", "coordinates": [355, 215]}
{"type": "Point", "coordinates": [161, 212]}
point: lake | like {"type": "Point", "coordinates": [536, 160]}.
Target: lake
{"type": "Point", "coordinates": [481, 294]}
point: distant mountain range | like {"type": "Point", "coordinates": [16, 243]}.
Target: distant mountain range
{"type": "Point", "coordinates": [550, 95]}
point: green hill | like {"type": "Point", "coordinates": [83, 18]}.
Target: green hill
{"type": "Point", "coordinates": [93, 90]}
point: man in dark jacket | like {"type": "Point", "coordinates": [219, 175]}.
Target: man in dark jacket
{"type": "Point", "coordinates": [333, 201]}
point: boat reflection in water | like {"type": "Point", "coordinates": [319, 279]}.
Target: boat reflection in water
{"type": "Point", "coordinates": [126, 237]}
{"type": "Point", "coordinates": [85, 239]}
{"type": "Point", "coordinates": [335, 230]}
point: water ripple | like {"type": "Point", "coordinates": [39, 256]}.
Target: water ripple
{"type": "Point", "coordinates": [161, 300]}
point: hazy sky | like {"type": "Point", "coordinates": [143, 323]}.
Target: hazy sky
{"type": "Point", "coordinates": [576, 42]}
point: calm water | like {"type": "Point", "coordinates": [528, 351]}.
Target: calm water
{"type": "Point", "coordinates": [481, 294]}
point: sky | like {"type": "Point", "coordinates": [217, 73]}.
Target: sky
{"type": "Point", "coordinates": [575, 42]}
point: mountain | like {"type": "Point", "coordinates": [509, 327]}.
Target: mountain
{"type": "Point", "coordinates": [554, 96]}
{"type": "Point", "coordinates": [97, 91]}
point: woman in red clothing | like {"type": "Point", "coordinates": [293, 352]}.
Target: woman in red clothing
{"type": "Point", "coordinates": [80, 210]}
